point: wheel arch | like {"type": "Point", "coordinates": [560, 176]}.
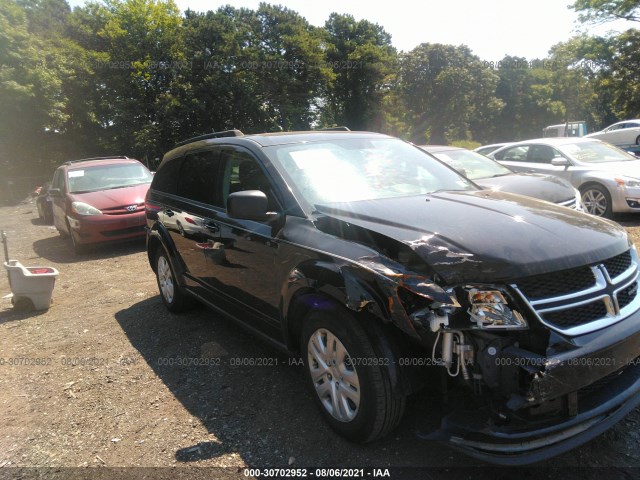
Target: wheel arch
{"type": "Point", "coordinates": [158, 237]}
{"type": "Point", "coordinates": [325, 285]}
{"type": "Point", "coordinates": [591, 182]}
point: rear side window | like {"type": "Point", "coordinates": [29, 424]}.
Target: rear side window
{"type": "Point", "coordinates": [198, 177]}
{"type": "Point", "coordinates": [166, 178]}
{"type": "Point", "coordinates": [513, 154]}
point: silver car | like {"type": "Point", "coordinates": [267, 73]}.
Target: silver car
{"type": "Point", "coordinates": [621, 133]}
{"type": "Point", "coordinates": [489, 174]}
{"type": "Point", "coordinates": [608, 178]}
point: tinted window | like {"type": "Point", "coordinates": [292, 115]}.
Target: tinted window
{"type": "Point", "coordinates": [513, 154]}
{"type": "Point", "coordinates": [166, 179]}
{"type": "Point", "coordinates": [243, 172]}
{"type": "Point", "coordinates": [198, 177]}
{"type": "Point", "coordinates": [542, 154]}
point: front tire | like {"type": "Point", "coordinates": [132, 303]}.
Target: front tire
{"type": "Point", "coordinates": [78, 247]}
{"type": "Point", "coordinates": [350, 377]}
{"type": "Point", "coordinates": [597, 201]}
{"type": "Point", "coordinates": [172, 294]}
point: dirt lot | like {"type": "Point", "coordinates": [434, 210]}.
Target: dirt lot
{"type": "Point", "coordinates": [97, 381]}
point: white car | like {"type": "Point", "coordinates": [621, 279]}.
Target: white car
{"type": "Point", "coordinates": [621, 133]}
{"type": "Point", "coordinates": [607, 177]}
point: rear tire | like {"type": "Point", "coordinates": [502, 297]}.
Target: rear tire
{"type": "Point", "coordinates": [350, 377]}
{"type": "Point", "coordinates": [172, 294]}
{"type": "Point", "coordinates": [41, 214]}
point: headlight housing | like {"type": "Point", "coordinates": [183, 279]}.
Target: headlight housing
{"type": "Point", "coordinates": [628, 182]}
{"type": "Point", "coordinates": [82, 208]}
{"type": "Point", "coordinates": [489, 309]}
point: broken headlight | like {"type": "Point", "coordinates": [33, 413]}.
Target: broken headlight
{"type": "Point", "coordinates": [489, 309]}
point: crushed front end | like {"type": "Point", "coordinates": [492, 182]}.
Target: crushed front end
{"type": "Point", "coordinates": [537, 365]}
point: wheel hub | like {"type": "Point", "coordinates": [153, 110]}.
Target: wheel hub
{"type": "Point", "coordinates": [334, 375]}
{"type": "Point", "coordinates": [165, 279]}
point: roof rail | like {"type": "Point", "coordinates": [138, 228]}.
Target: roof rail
{"type": "Point", "coordinates": [336, 129]}
{"type": "Point", "coordinates": [224, 133]}
{"type": "Point", "coordinates": [112, 157]}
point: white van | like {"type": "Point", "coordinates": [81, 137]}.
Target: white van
{"type": "Point", "coordinates": [569, 129]}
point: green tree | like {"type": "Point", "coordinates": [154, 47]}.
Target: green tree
{"type": "Point", "coordinates": [294, 74]}
{"type": "Point", "coordinates": [258, 70]}
{"type": "Point", "coordinates": [223, 89]}
{"type": "Point", "coordinates": [33, 105]}
{"type": "Point", "coordinates": [46, 18]}
{"type": "Point", "coordinates": [140, 64]}
{"type": "Point", "coordinates": [447, 90]}
{"type": "Point", "coordinates": [363, 61]}
{"type": "Point", "coordinates": [524, 88]}
{"type": "Point", "coordinates": [599, 11]}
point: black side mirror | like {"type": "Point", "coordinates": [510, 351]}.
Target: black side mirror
{"type": "Point", "coordinates": [248, 205]}
{"type": "Point", "coordinates": [54, 192]}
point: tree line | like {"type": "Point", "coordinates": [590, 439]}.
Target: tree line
{"type": "Point", "coordinates": [134, 77]}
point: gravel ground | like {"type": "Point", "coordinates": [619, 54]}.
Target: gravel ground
{"type": "Point", "coordinates": [107, 378]}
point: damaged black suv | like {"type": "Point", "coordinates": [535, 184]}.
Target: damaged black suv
{"type": "Point", "coordinates": [381, 266]}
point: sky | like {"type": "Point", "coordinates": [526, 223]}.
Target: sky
{"type": "Point", "coordinates": [491, 28]}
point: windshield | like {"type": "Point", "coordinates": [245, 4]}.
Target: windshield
{"type": "Point", "coordinates": [472, 164]}
{"type": "Point", "coordinates": [596, 152]}
{"type": "Point", "coordinates": [105, 177]}
{"type": "Point", "coordinates": [353, 169]}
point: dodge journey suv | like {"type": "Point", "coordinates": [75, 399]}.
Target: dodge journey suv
{"type": "Point", "coordinates": [381, 266]}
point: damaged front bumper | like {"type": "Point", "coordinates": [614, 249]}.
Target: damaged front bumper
{"type": "Point", "coordinates": [595, 385]}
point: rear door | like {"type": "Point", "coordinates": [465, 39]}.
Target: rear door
{"type": "Point", "coordinates": [188, 219]}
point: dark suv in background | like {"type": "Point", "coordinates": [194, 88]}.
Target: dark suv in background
{"type": "Point", "coordinates": [380, 266]}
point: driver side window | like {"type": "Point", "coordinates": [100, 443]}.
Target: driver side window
{"type": "Point", "coordinates": [243, 172]}
{"type": "Point", "coordinates": [58, 180]}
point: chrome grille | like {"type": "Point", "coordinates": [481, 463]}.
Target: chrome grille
{"type": "Point", "coordinates": [561, 283]}
{"type": "Point", "coordinates": [585, 299]}
{"type": "Point", "coordinates": [581, 315]}
{"type": "Point", "coordinates": [618, 265]}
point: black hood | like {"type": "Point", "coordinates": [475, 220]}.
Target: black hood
{"type": "Point", "coordinates": [545, 187]}
{"type": "Point", "coordinates": [486, 236]}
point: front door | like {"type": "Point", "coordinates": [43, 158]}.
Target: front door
{"type": "Point", "coordinates": [244, 266]}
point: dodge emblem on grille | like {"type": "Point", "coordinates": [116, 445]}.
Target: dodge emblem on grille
{"type": "Point", "coordinates": [132, 208]}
